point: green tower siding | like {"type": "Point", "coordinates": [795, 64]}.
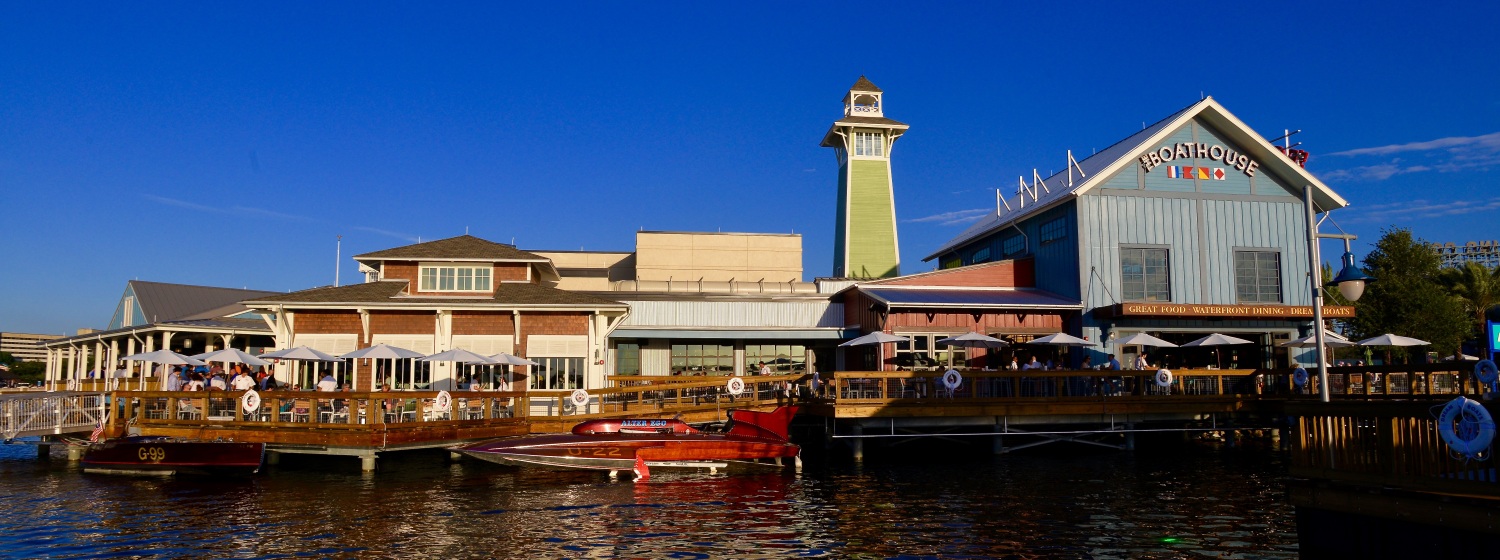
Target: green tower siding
{"type": "Point", "coordinates": [872, 226]}
{"type": "Point", "coordinates": [841, 221]}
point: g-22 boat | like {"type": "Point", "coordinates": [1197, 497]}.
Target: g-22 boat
{"type": "Point", "coordinates": [749, 440]}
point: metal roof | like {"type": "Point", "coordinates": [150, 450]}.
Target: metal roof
{"type": "Point", "coordinates": [1100, 167]}
{"type": "Point", "coordinates": [162, 302]}
{"type": "Point", "coordinates": [970, 298]}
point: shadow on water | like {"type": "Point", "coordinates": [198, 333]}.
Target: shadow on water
{"type": "Point", "coordinates": [1165, 500]}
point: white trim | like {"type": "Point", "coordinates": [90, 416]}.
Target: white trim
{"type": "Point", "coordinates": [422, 267]}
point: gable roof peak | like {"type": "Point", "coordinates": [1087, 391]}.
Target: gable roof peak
{"type": "Point", "coordinates": [459, 247]}
{"type": "Point", "coordinates": [864, 84]}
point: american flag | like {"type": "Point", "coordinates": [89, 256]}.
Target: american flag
{"type": "Point", "coordinates": [99, 429]}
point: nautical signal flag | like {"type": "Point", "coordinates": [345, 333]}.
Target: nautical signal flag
{"type": "Point", "coordinates": [1189, 172]}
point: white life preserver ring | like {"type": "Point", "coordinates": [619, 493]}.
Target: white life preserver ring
{"type": "Point", "coordinates": [952, 379]}
{"type": "Point", "coordinates": [1466, 427]}
{"type": "Point", "coordinates": [1299, 377]}
{"type": "Point", "coordinates": [1163, 377]}
{"type": "Point", "coordinates": [443, 402]}
{"type": "Point", "coordinates": [250, 401]}
{"type": "Point", "coordinates": [735, 386]}
{"type": "Point", "coordinates": [1484, 371]}
{"type": "Point", "coordinates": [579, 398]}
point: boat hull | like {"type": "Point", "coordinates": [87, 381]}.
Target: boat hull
{"type": "Point", "coordinates": [620, 452]}
{"type": "Point", "coordinates": [165, 456]}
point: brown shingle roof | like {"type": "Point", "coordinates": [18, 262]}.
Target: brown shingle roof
{"type": "Point", "coordinates": [864, 84]}
{"type": "Point", "coordinates": [461, 247]}
{"type": "Point", "coordinates": [393, 292]}
{"type": "Point", "coordinates": [871, 120]}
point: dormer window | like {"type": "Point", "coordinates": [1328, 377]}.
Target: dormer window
{"type": "Point", "coordinates": [454, 278]}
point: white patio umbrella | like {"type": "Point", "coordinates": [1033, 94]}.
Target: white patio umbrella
{"type": "Point", "coordinates": [1309, 341]}
{"type": "Point", "coordinates": [1217, 339]}
{"type": "Point", "coordinates": [509, 360]}
{"type": "Point", "coordinates": [163, 357]}
{"type": "Point", "coordinates": [231, 355]}
{"type": "Point", "coordinates": [379, 352]}
{"type": "Point", "coordinates": [1061, 339]}
{"type": "Point", "coordinates": [460, 356]}
{"type": "Point", "coordinates": [971, 340]}
{"type": "Point", "coordinates": [1392, 340]}
{"type": "Point", "coordinates": [299, 354]}
{"type": "Point", "coordinates": [877, 337]}
{"type": "Point", "coordinates": [1143, 339]}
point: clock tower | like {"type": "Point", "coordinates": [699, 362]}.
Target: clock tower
{"type": "Point", "coordinates": [865, 241]}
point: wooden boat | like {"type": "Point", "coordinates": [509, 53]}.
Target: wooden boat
{"type": "Point", "coordinates": [750, 440]}
{"type": "Point", "coordinates": [164, 456]}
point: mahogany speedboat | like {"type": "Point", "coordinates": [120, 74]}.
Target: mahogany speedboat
{"type": "Point", "coordinates": [164, 456]}
{"type": "Point", "coordinates": [749, 440]}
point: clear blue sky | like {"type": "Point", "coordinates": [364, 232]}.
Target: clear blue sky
{"type": "Point", "coordinates": [227, 145]}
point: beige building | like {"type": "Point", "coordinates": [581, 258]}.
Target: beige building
{"type": "Point", "coordinates": [26, 347]}
{"type": "Point", "coordinates": [708, 303]}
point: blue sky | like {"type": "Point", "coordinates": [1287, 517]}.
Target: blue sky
{"type": "Point", "coordinates": [228, 144]}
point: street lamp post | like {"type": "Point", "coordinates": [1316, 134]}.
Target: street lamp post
{"type": "Point", "coordinates": [1350, 281]}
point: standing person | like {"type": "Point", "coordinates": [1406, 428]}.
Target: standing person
{"type": "Point", "coordinates": [1116, 384]}
{"type": "Point", "coordinates": [764, 369]}
{"type": "Point", "coordinates": [328, 383]}
{"type": "Point", "coordinates": [1141, 363]}
{"type": "Point", "coordinates": [195, 383]}
{"type": "Point", "coordinates": [242, 381]}
{"type": "Point", "coordinates": [216, 381]}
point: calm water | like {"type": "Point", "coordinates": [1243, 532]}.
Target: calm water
{"type": "Point", "coordinates": [1179, 501]}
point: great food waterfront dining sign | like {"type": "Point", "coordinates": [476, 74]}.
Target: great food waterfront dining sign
{"type": "Point", "coordinates": [1194, 151]}
{"type": "Point", "coordinates": [1256, 311]}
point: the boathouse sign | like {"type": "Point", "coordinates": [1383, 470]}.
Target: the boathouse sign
{"type": "Point", "coordinates": [1259, 311]}
{"type": "Point", "coordinates": [1191, 151]}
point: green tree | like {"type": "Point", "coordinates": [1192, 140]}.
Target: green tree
{"type": "Point", "coordinates": [1407, 299]}
{"type": "Point", "coordinates": [1476, 286]}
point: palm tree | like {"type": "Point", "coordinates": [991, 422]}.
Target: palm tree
{"type": "Point", "coordinates": [1474, 284]}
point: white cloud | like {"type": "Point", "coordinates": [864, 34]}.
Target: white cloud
{"type": "Point", "coordinates": [1491, 141]}
{"type": "Point", "coordinates": [240, 210]}
{"type": "Point", "coordinates": [1421, 209]}
{"type": "Point", "coordinates": [389, 233]}
{"type": "Point", "coordinates": [958, 217]}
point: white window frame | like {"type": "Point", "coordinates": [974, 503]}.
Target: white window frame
{"type": "Point", "coordinates": [455, 273]}
{"type": "Point", "coordinates": [869, 145]}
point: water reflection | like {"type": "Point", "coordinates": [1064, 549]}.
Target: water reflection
{"type": "Point", "coordinates": [1088, 505]}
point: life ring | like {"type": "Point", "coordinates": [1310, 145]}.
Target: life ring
{"type": "Point", "coordinates": [579, 398]}
{"type": "Point", "coordinates": [1485, 372]}
{"type": "Point", "coordinates": [443, 402]}
{"type": "Point", "coordinates": [1466, 427]}
{"type": "Point", "coordinates": [1299, 377]}
{"type": "Point", "coordinates": [1163, 377]}
{"type": "Point", "coordinates": [952, 379]}
{"type": "Point", "coordinates": [250, 401]}
{"type": "Point", "coordinates": [735, 386]}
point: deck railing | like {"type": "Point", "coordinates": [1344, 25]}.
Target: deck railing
{"type": "Point", "coordinates": [361, 410]}
{"type": "Point", "coordinates": [637, 393]}
{"type": "Point", "coordinates": [1384, 444]}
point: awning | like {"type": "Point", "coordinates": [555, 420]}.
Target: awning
{"type": "Point", "coordinates": [1020, 298]}
{"type": "Point", "coordinates": [768, 334]}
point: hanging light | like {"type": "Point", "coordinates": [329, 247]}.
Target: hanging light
{"type": "Point", "coordinates": [1351, 280]}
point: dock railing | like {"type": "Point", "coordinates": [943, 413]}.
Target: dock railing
{"type": "Point", "coordinates": [1384, 445]}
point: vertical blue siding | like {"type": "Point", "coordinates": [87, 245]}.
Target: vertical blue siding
{"type": "Point", "coordinates": [1157, 179]}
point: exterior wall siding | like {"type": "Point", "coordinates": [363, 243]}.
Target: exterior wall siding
{"type": "Point", "coordinates": [398, 322]}
{"type": "Point", "coordinates": [872, 243]}
{"type": "Point", "coordinates": [1017, 273]}
{"type": "Point", "coordinates": [481, 323]}
{"type": "Point", "coordinates": [328, 322]}
{"type": "Point", "coordinates": [841, 222]}
{"type": "Point", "coordinates": [698, 314]}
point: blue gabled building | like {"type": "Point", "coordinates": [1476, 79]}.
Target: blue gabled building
{"type": "Point", "coordinates": [1193, 225]}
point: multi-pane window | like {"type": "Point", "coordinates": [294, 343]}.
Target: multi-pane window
{"type": "Point", "coordinates": [1144, 275]}
{"type": "Point", "coordinates": [980, 256]}
{"type": "Point", "coordinates": [869, 144]}
{"type": "Point", "coordinates": [455, 279]}
{"type": "Point", "coordinates": [628, 358]}
{"type": "Point", "coordinates": [557, 373]}
{"type": "Point", "coordinates": [1257, 276]}
{"type": "Point", "coordinates": [702, 359]}
{"type": "Point", "coordinates": [1054, 230]}
{"type": "Point", "coordinates": [1015, 245]}
{"type": "Point", "coordinates": [783, 358]}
